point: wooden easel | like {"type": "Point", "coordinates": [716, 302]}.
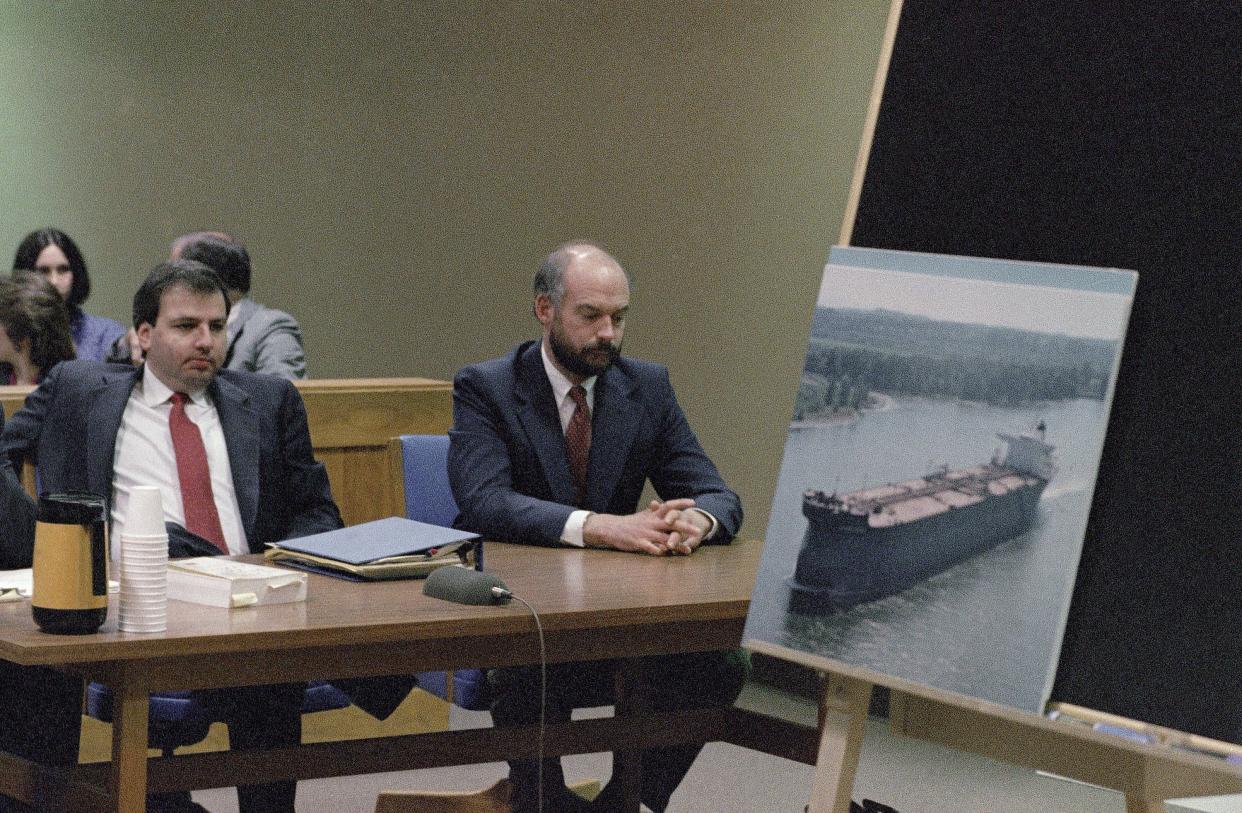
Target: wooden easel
{"type": "Point", "coordinates": [844, 701]}
{"type": "Point", "coordinates": [1147, 774]}
{"type": "Point", "coordinates": [842, 722]}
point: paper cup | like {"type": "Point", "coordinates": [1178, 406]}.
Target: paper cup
{"type": "Point", "coordinates": [151, 542]}
{"type": "Point", "coordinates": [134, 619]}
{"type": "Point", "coordinates": [144, 513]}
{"type": "Point", "coordinates": [152, 580]}
{"type": "Point", "coordinates": [141, 537]}
{"type": "Point", "coordinates": [144, 577]}
{"type": "Point", "coordinates": [143, 556]}
{"type": "Point", "coordinates": [138, 552]}
{"type": "Point", "coordinates": [158, 626]}
{"type": "Point", "coordinates": [154, 601]}
{"type": "Point", "coordinates": [143, 585]}
{"type": "Point", "coordinates": [155, 568]}
{"type": "Point", "coordinates": [143, 592]}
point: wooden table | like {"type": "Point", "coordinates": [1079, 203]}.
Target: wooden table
{"type": "Point", "coordinates": [593, 604]}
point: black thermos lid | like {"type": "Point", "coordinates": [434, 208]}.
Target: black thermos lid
{"type": "Point", "coordinates": [73, 508]}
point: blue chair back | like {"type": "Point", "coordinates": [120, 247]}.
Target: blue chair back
{"type": "Point", "coordinates": [424, 466]}
{"type": "Point", "coordinates": [429, 498]}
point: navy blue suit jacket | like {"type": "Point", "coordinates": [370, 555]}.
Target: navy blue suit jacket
{"type": "Point", "coordinates": [17, 514]}
{"type": "Point", "coordinates": [68, 426]}
{"type": "Point", "coordinates": [507, 462]}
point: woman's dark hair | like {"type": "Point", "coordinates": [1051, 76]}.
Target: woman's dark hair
{"type": "Point", "coordinates": [32, 246]}
{"type": "Point", "coordinates": [32, 310]}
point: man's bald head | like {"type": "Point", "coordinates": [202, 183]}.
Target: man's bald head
{"type": "Point", "coordinates": [179, 245]}
{"type": "Point", "coordinates": [550, 279]}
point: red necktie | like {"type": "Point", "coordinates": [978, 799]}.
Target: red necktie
{"type": "Point", "coordinates": [197, 501]}
{"type": "Point", "coordinates": [578, 441]}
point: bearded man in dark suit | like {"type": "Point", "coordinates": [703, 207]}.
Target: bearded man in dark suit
{"type": "Point", "coordinates": [552, 444]}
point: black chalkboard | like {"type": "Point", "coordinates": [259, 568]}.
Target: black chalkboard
{"type": "Point", "coordinates": [1105, 134]}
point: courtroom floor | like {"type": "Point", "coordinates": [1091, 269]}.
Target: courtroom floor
{"type": "Point", "coordinates": [912, 776]}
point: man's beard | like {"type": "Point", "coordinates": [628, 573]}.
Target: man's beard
{"type": "Point", "coordinates": [579, 362]}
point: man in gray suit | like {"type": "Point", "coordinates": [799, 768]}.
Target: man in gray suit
{"type": "Point", "coordinates": [260, 339]}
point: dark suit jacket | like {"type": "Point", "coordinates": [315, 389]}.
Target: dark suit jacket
{"type": "Point", "coordinates": [17, 513]}
{"type": "Point", "coordinates": [507, 463]}
{"type": "Point", "coordinates": [68, 426]}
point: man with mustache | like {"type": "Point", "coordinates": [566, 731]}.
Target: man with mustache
{"type": "Point", "coordinates": [552, 445]}
{"type": "Point", "coordinates": [231, 454]}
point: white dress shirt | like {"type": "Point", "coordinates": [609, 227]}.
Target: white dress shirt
{"type": "Point", "coordinates": [144, 457]}
{"type": "Point", "coordinates": [571, 534]}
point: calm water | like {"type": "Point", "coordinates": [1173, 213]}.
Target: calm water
{"type": "Point", "coordinates": [990, 626]}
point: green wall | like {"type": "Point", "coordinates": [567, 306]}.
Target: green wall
{"type": "Point", "coordinates": [397, 170]}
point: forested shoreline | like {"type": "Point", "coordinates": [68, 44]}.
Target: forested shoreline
{"type": "Point", "coordinates": [853, 352]}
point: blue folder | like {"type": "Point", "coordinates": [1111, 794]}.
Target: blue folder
{"type": "Point", "coordinates": [380, 539]}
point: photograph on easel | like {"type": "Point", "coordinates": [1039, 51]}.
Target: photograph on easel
{"type": "Point", "coordinates": [939, 468]}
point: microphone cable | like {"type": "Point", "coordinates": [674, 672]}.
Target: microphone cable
{"type": "Point", "coordinates": [502, 593]}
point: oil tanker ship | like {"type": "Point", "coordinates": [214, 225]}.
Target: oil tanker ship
{"type": "Point", "coordinates": [874, 542]}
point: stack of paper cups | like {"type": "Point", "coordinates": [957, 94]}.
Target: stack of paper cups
{"type": "Point", "coordinates": [144, 564]}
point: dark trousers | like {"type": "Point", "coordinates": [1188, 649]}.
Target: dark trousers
{"type": "Point", "coordinates": [257, 717]}
{"type": "Point", "coordinates": [671, 683]}
{"type": "Point", "coordinates": [40, 717]}
{"type": "Point", "coordinates": [40, 720]}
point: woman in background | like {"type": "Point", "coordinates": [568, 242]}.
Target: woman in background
{"type": "Point", "coordinates": [34, 329]}
{"type": "Point", "coordinates": [53, 254]}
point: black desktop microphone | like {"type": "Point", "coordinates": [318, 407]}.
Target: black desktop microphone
{"type": "Point", "coordinates": [463, 585]}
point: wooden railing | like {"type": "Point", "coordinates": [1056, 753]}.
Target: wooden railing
{"type": "Point", "coordinates": [351, 422]}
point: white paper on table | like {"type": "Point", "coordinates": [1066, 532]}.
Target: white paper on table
{"type": "Point", "coordinates": [22, 581]}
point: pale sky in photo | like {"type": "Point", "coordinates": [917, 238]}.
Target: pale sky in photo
{"type": "Point", "coordinates": [1087, 314]}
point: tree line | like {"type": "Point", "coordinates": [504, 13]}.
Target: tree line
{"type": "Point", "coordinates": [854, 352]}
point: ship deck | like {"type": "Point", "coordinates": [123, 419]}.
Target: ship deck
{"type": "Point", "coordinates": [898, 503]}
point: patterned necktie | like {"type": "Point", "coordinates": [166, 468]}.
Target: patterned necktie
{"type": "Point", "coordinates": [578, 441]}
{"type": "Point", "coordinates": [197, 501]}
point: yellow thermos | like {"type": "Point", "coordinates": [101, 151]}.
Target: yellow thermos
{"type": "Point", "coordinates": [70, 564]}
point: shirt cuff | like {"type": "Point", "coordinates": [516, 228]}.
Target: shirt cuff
{"type": "Point", "coordinates": [711, 532]}
{"type": "Point", "coordinates": [572, 533]}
